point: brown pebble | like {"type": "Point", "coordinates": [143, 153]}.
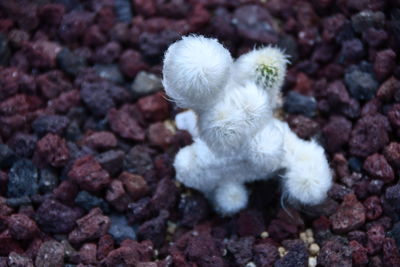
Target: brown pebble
{"type": "Point", "coordinates": [349, 216]}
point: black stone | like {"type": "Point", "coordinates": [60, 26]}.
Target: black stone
{"type": "Point", "coordinates": [296, 103]}
{"type": "Point", "coordinates": [22, 179]}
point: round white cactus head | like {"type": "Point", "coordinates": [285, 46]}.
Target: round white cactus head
{"type": "Point", "coordinates": [195, 71]}
{"type": "Point", "coordinates": [266, 67]}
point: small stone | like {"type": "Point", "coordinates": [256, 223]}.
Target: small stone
{"type": "Point", "coordinates": [297, 255]}
{"type": "Point", "coordinates": [336, 133]}
{"type": "Point", "coordinates": [385, 62]}
{"type": "Point", "coordinates": [145, 83]}
{"type": "Point", "coordinates": [377, 166]}
{"type": "Point", "coordinates": [255, 24]}
{"type": "Point", "coordinates": [17, 260]}
{"type": "Point", "coordinates": [88, 253]}
{"type": "Point", "coordinates": [90, 227]}
{"type": "Point", "coordinates": [65, 101]}
{"type": "Point", "coordinates": [296, 103]}
{"type": "Point", "coordinates": [110, 73]}
{"type": "Point", "coordinates": [314, 249]}
{"type": "Point", "coordinates": [105, 246]}
{"type": "Point", "coordinates": [23, 144]}
{"type": "Point", "coordinates": [352, 51]}
{"type": "Point", "coordinates": [165, 195]}
{"type": "Point", "coordinates": [349, 216]}
{"type": "Point", "coordinates": [159, 135]}
{"type": "Point", "coordinates": [120, 229]}
{"type": "Point", "coordinates": [111, 161]}
{"type": "Point", "coordinates": [134, 185]}
{"type": "Point", "coordinates": [7, 156]}
{"type": "Point", "coordinates": [373, 208]}
{"type": "Point", "coordinates": [369, 135]}
{"type": "Point", "coordinates": [54, 217]}
{"type": "Point", "coordinates": [153, 45]}
{"type": "Point", "coordinates": [250, 223]}
{"type": "Point", "coordinates": [42, 54]}
{"type": "Point", "coordinates": [100, 140]}
{"type": "Point", "coordinates": [154, 107]}
{"type": "Point", "coordinates": [335, 252]}
{"type": "Point", "coordinates": [394, 115]}
{"type": "Point", "coordinates": [108, 54]}
{"type": "Point", "coordinates": [367, 19]}
{"type": "Point", "coordinates": [123, 10]}
{"type": "Point", "coordinates": [74, 24]}
{"type": "Point", "coordinates": [303, 126]}
{"type": "Point", "coordinates": [117, 196]}
{"type": "Point", "coordinates": [20, 103]}
{"type": "Point", "coordinates": [359, 254]}
{"type": "Point", "coordinates": [53, 83]}
{"type": "Point", "coordinates": [66, 191]}
{"type": "Point", "coordinates": [53, 150]}
{"type": "Point", "coordinates": [50, 254]}
{"type": "Point", "coordinates": [387, 90]}
{"type": "Point", "coordinates": [88, 201]}
{"type": "Point", "coordinates": [51, 13]}
{"type": "Point", "coordinates": [139, 160]}
{"type": "Point", "coordinates": [125, 125]}
{"type": "Point", "coordinates": [154, 229]}
{"type": "Point", "coordinates": [361, 85]}
{"type": "Point", "coordinates": [22, 227]}
{"type": "Point", "coordinates": [50, 124]}
{"type": "Point", "coordinates": [89, 174]}
{"type": "Point", "coordinates": [392, 154]}
{"type": "Point", "coordinates": [131, 62]}
{"type": "Point", "coordinates": [193, 202]}
{"type": "Point", "coordinates": [391, 255]}
{"type": "Point", "coordinates": [376, 235]}
{"type": "Point", "coordinates": [70, 62]}
{"type": "Point", "coordinates": [241, 249]}
{"type": "Point", "coordinates": [355, 164]}
{"type": "Point", "coordinates": [22, 179]}
{"type": "Point", "coordinates": [265, 254]}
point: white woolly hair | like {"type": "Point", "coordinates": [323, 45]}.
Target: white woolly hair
{"type": "Point", "coordinates": [230, 198]}
{"type": "Point", "coordinates": [195, 71]}
{"type": "Point", "coordinates": [265, 66]}
{"type": "Point", "coordinates": [308, 176]}
{"type": "Point", "coordinates": [266, 149]}
{"type": "Point", "coordinates": [187, 120]}
{"type": "Point", "coordinates": [235, 119]}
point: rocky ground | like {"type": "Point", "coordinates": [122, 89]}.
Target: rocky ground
{"type": "Point", "coordinates": [87, 137]}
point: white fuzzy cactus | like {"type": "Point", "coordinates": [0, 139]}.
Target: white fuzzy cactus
{"type": "Point", "coordinates": [236, 137]}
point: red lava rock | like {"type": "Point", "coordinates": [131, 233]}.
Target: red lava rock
{"type": "Point", "coordinates": [52, 83]}
{"type": "Point", "coordinates": [51, 14]}
{"type": "Point", "coordinates": [241, 249]}
{"type": "Point", "coordinates": [336, 133]}
{"type": "Point", "coordinates": [131, 62]}
{"type": "Point", "coordinates": [193, 202]}
{"type": "Point", "coordinates": [250, 223]}
{"type": "Point", "coordinates": [159, 135]}
{"type": "Point", "coordinates": [335, 252]}
{"type": "Point", "coordinates": [50, 254]}
{"type": "Point", "coordinates": [111, 161]}
{"type": "Point", "coordinates": [387, 90]}
{"type": "Point", "coordinates": [54, 217]}
{"type": "Point", "coordinates": [145, 7]}
{"type": "Point", "coordinates": [265, 254]}
{"type": "Point", "coordinates": [375, 37]}
{"type": "Point", "coordinates": [392, 154]}
{"type": "Point", "coordinates": [94, 37]}
{"type": "Point", "coordinates": [373, 208]}
{"type": "Point", "coordinates": [165, 195]}
{"type": "Point", "coordinates": [359, 236]}
{"type": "Point", "coordinates": [74, 24]}
{"type": "Point", "coordinates": [42, 54]}
{"type": "Point", "coordinates": [65, 101]}
{"type": "Point", "coordinates": [154, 229]}
{"type": "Point", "coordinates": [377, 166]}
{"type": "Point", "coordinates": [53, 150]}
{"type": "Point", "coordinates": [131, 253]}
{"type": "Point", "coordinates": [22, 227]}
{"type": "Point", "coordinates": [154, 107]}
{"type": "Point", "coordinates": [385, 62]}
{"type": "Point", "coordinates": [89, 174]}
{"type": "Point", "coordinates": [23, 144]}
{"type": "Point", "coordinates": [376, 235]}
{"type": "Point", "coordinates": [359, 254]}
{"type": "Point", "coordinates": [20, 103]}
{"type": "Point", "coordinates": [349, 216]}
{"type": "Point", "coordinates": [16, 260]}
{"type": "Point", "coordinates": [369, 135]}
{"type": "Point", "coordinates": [117, 196]}
{"type": "Point", "coordinates": [391, 255]}
{"type": "Point", "coordinates": [134, 185]}
{"type": "Point", "coordinates": [280, 230]}
{"type": "Point", "coordinates": [8, 244]}
{"type": "Point", "coordinates": [88, 253]}
{"type": "Point", "coordinates": [340, 165]}
{"type": "Point", "coordinates": [13, 80]}
{"type": "Point", "coordinates": [105, 246]}
{"type": "Point", "coordinates": [100, 140]}
{"type": "Point", "coordinates": [297, 254]}
{"type": "Point", "coordinates": [303, 126]}
{"type": "Point", "coordinates": [66, 192]}
{"type": "Point", "coordinates": [139, 160]}
{"type": "Point", "coordinates": [90, 227]}
{"type": "Point", "coordinates": [394, 115]}
{"type": "Point", "coordinates": [108, 53]}
{"type": "Point", "coordinates": [125, 125]}
{"type": "Point", "coordinates": [255, 24]}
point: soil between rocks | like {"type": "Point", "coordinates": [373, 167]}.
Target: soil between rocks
{"type": "Point", "coordinates": [87, 136]}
